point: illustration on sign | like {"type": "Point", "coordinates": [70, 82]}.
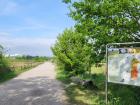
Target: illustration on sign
{"type": "Point", "coordinates": [124, 65]}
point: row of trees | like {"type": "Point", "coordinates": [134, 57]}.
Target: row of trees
{"type": "Point", "coordinates": [4, 61]}
{"type": "Point", "coordinates": [35, 58]}
{"type": "Point", "coordinates": [98, 22]}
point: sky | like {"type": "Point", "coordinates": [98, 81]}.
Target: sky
{"type": "Point", "coordinates": [30, 27]}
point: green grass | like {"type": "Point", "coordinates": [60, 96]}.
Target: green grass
{"type": "Point", "coordinates": [79, 95]}
{"type": "Point", "coordinates": [20, 66]}
{"type": "Point", "coordinates": [117, 94]}
{"type": "Point", "coordinates": [11, 74]}
{"type": "Point", "coordinates": [6, 76]}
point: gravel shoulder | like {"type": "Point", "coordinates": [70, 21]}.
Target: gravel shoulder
{"type": "Point", "coordinates": [37, 86]}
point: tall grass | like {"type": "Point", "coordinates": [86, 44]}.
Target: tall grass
{"type": "Point", "coordinates": [117, 94]}
{"type": "Point", "coordinates": [4, 65]}
{"type": "Point", "coordinates": [5, 71]}
{"type": "Point", "coordinates": [11, 67]}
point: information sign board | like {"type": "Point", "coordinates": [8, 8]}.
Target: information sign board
{"type": "Point", "coordinates": [124, 65]}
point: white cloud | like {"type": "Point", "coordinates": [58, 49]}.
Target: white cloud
{"type": "Point", "coordinates": [31, 46]}
{"type": "Point", "coordinates": [8, 7]}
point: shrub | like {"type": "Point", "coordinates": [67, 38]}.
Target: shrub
{"type": "Point", "coordinates": [72, 52]}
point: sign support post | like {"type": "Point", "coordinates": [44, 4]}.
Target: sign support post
{"type": "Point", "coordinates": [106, 72]}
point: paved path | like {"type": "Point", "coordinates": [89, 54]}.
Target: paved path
{"type": "Point", "coordinates": [35, 87]}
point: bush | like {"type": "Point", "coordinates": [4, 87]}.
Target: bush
{"type": "Point", "coordinates": [4, 66]}
{"type": "Point", "coordinates": [72, 52]}
{"type": "Point", "coordinates": [3, 62]}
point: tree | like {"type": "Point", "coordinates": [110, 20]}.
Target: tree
{"type": "Point", "coordinates": [3, 62]}
{"type": "Point", "coordinates": [73, 53]}
{"type": "Point", "coordinates": [106, 21]}
{"type": "Point", "coordinates": [1, 51]}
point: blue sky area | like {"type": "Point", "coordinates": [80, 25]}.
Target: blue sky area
{"type": "Point", "coordinates": [31, 26]}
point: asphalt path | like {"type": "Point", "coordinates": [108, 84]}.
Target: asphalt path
{"type": "Point", "coordinates": [37, 86]}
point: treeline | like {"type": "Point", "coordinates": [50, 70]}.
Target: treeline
{"type": "Point", "coordinates": [6, 61]}
{"type": "Point", "coordinates": [97, 23]}
{"type": "Point", "coordinates": [35, 58]}
{"type": "Point", "coordinates": [11, 66]}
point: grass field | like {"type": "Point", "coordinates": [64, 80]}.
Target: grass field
{"type": "Point", "coordinates": [17, 66]}
{"type": "Point", "coordinates": [21, 64]}
{"type": "Point", "coordinates": [117, 94]}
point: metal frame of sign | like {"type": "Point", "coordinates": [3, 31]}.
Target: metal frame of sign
{"type": "Point", "coordinates": [106, 82]}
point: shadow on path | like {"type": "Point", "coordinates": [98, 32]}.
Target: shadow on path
{"type": "Point", "coordinates": [32, 91]}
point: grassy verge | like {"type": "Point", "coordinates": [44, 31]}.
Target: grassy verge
{"type": "Point", "coordinates": [79, 95]}
{"type": "Point", "coordinates": [17, 67]}
{"type": "Point", "coordinates": [118, 94]}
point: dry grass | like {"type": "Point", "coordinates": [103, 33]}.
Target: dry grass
{"type": "Point", "coordinates": [17, 67]}
{"type": "Point", "coordinates": [21, 64]}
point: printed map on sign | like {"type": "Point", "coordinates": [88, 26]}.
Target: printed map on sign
{"type": "Point", "coordinates": [124, 65]}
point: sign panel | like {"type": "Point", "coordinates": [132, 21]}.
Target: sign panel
{"type": "Point", "coordinates": [124, 65]}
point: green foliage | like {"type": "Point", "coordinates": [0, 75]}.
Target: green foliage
{"type": "Point", "coordinates": [78, 95]}
{"type": "Point", "coordinates": [97, 24]}
{"type": "Point", "coordinates": [1, 51]}
{"type": "Point", "coordinates": [10, 70]}
{"type": "Point", "coordinates": [5, 70]}
{"type": "Point", "coordinates": [117, 94]}
{"type": "Point", "coordinates": [4, 67]}
{"type": "Point", "coordinates": [72, 52]}
{"type": "Point", "coordinates": [66, 1]}
{"type": "Point", "coordinates": [106, 21]}
{"type": "Point", "coordinates": [35, 58]}
{"type": "Point", "coordinates": [123, 94]}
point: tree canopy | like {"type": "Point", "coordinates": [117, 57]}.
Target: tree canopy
{"type": "Point", "coordinates": [71, 51]}
{"type": "Point", "coordinates": [106, 21]}
{"type": "Point", "coordinates": [1, 51]}
{"type": "Point", "coordinates": [97, 23]}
